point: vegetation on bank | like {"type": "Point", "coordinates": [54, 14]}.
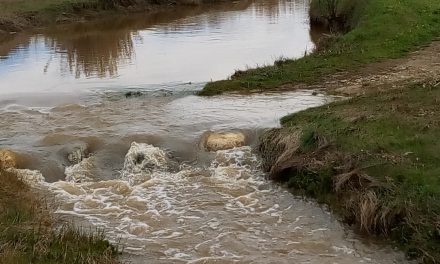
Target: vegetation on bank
{"type": "Point", "coordinates": [373, 159]}
{"type": "Point", "coordinates": [377, 30]}
{"type": "Point", "coordinates": [336, 15]}
{"type": "Point", "coordinates": [27, 234]}
{"type": "Point", "coordinates": [16, 15]}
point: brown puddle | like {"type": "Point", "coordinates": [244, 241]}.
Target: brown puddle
{"type": "Point", "coordinates": [64, 91]}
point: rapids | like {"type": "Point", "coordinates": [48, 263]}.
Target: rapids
{"type": "Point", "coordinates": [104, 119]}
{"type": "Point", "coordinates": [163, 212]}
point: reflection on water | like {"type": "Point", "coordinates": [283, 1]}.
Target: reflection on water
{"type": "Point", "coordinates": [165, 199]}
{"type": "Point", "coordinates": [92, 55]}
{"type": "Point", "coordinates": [195, 44]}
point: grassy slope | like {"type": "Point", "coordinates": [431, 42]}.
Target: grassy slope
{"type": "Point", "coordinates": [24, 13]}
{"type": "Point", "coordinates": [26, 234]}
{"type": "Point", "coordinates": [385, 29]}
{"type": "Point", "coordinates": [16, 15]}
{"type": "Point", "coordinates": [375, 160]}
{"type": "Point", "coordinates": [9, 7]}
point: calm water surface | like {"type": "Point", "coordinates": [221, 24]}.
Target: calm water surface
{"type": "Point", "coordinates": [140, 173]}
{"type": "Point", "coordinates": [193, 44]}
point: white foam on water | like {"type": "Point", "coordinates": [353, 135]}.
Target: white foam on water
{"type": "Point", "coordinates": [81, 172]}
{"type": "Point", "coordinates": [141, 161]}
{"type": "Point", "coordinates": [31, 177]}
{"type": "Point", "coordinates": [224, 213]}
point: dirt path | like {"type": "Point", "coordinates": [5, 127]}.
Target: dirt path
{"type": "Point", "coordinates": [420, 65]}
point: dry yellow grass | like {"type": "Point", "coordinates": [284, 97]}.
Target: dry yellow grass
{"type": "Point", "coordinates": [27, 234]}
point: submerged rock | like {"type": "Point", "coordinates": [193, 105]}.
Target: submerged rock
{"type": "Point", "coordinates": [78, 153]}
{"type": "Point", "coordinates": [8, 159]}
{"type": "Point", "coordinates": [133, 94]}
{"type": "Point", "coordinates": [83, 171]}
{"type": "Point", "coordinates": [141, 161]}
{"type": "Point", "coordinates": [213, 141]}
{"type": "Point", "coordinates": [32, 177]}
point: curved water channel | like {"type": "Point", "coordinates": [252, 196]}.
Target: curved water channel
{"type": "Point", "coordinates": [133, 165]}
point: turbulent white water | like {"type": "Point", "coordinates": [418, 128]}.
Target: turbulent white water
{"type": "Point", "coordinates": [164, 212]}
{"type": "Point", "coordinates": [133, 166]}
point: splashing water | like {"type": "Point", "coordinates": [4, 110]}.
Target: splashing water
{"type": "Point", "coordinates": [141, 161]}
{"type": "Point", "coordinates": [160, 209]}
{"type": "Point", "coordinates": [223, 213]}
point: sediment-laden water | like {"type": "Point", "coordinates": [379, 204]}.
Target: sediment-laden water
{"type": "Point", "coordinates": [105, 121]}
{"type": "Point", "coordinates": [226, 212]}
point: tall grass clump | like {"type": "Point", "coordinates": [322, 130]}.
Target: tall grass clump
{"type": "Point", "coordinates": [336, 15]}
{"type": "Point", "coordinates": [28, 233]}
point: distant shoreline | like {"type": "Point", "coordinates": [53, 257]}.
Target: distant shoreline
{"type": "Point", "coordinates": [20, 15]}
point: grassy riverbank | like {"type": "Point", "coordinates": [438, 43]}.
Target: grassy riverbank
{"type": "Point", "coordinates": [381, 29]}
{"type": "Point", "coordinates": [17, 15]}
{"type": "Point", "coordinates": [374, 159]}
{"type": "Point", "coordinates": [27, 234]}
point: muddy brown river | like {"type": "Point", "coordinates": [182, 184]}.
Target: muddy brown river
{"type": "Point", "coordinates": [132, 165]}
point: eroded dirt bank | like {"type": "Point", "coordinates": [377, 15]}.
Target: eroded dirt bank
{"type": "Point", "coordinates": [373, 158]}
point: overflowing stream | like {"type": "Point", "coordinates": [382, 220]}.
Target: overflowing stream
{"type": "Point", "coordinates": [105, 121]}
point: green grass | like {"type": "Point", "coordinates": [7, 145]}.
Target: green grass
{"type": "Point", "coordinates": [384, 29]}
{"type": "Point", "coordinates": [375, 160]}
{"type": "Point", "coordinates": [13, 6]}
{"type": "Point", "coordinates": [10, 8]}
{"type": "Point", "coordinates": [27, 232]}
{"type": "Point", "coordinates": [19, 14]}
